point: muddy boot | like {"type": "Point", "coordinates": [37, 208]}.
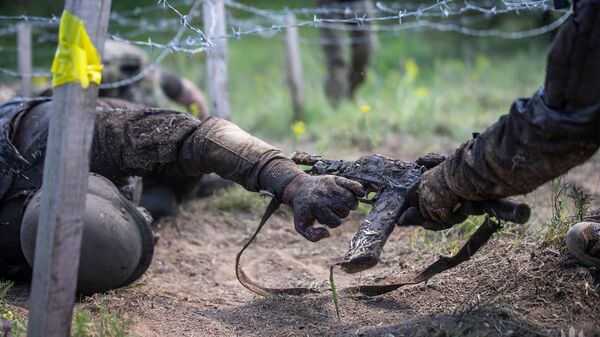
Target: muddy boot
{"type": "Point", "coordinates": [583, 241]}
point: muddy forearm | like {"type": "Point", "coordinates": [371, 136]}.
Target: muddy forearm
{"type": "Point", "coordinates": [149, 142]}
{"type": "Point", "coordinates": [224, 148]}
{"type": "Point", "coordinates": [526, 148]}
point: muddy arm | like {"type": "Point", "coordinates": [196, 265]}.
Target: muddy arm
{"type": "Point", "coordinates": [150, 142]}
{"type": "Point", "coordinates": [528, 147]}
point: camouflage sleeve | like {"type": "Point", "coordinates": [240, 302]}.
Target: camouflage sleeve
{"type": "Point", "coordinates": [545, 136]}
{"type": "Point", "coordinates": [152, 142]}
{"type": "Point", "coordinates": [526, 148]}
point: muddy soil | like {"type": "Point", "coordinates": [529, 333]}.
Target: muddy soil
{"type": "Point", "coordinates": [512, 287]}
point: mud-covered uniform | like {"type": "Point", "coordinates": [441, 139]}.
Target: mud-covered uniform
{"type": "Point", "coordinates": [344, 78]}
{"type": "Point", "coordinates": [128, 141]}
{"type": "Point", "coordinates": [541, 137]}
{"type": "Point", "coordinates": [123, 61]}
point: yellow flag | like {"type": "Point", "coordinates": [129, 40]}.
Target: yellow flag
{"type": "Point", "coordinates": [76, 58]}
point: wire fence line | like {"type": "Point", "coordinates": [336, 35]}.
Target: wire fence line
{"type": "Point", "coordinates": [451, 15]}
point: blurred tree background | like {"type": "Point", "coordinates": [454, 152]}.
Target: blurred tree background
{"type": "Point", "coordinates": [424, 84]}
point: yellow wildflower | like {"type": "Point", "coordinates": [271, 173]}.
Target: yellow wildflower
{"type": "Point", "coordinates": [194, 109]}
{"type": "Point", "coordinates": [8, 315]}
{"type": "Point", "coordinates": [412, 69]}
{"type": "Point", "coordinates": [421, 92]}
{"type": "Point", "coordinates": [365, 108]}
{"type": "Point", "coordinates": [298, 128]}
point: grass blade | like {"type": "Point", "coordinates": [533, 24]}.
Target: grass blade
{"type": "Point", "coordinates": [334, 295]}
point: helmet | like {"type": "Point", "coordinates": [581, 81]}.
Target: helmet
{"type": "Point", "coordinates": [117, 242]}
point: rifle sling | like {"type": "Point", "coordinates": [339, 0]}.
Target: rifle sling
{"type": "Point", "coordinates": [475, 242]}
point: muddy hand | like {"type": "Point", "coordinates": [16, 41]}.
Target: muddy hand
{"type": "Point", "coordinates": [437, 202]}
{"type": "Point", "coordinates": [326, 199]}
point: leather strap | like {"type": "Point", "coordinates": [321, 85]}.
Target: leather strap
{"type": "Point", "coordinates": [475, 242]}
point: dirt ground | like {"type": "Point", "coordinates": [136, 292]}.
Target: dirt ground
{"type": "Point", "coordinates": [510, 288]}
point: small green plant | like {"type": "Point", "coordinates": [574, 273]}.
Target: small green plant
{"type": "Point", "coordinates": [10, 324]}
{"type": "Point", "coordinates": [570, 205]}
{"type": "Point", "coordinates": [99, 323]}
{"type": "Point", "coordinates": [298, 129]}
{"type": "Point", "coordinates": [446, 242]}
{"type": "Point", "coordinates": [4, 288]}
{"type": "Point", "coordinates": [334, 295]}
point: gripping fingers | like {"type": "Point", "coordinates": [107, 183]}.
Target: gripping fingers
{"type": "Point", "coordinates": [351, 185]}
{"type": "Point", "coordinates": [327, 217]}
{"type": "Point", "coordinates": [310, 232]}
{"type": "Point", "coordinates": [347, 197]}
{"type": "Point", "coordinates": [340, 209]}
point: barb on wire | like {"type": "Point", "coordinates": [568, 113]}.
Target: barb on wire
{"type": "Point", "coordinates": [153, 66]}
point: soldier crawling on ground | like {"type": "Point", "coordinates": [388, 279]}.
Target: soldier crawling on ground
{"type": "Point", "coordinates": [121, 63]}
{"type": "Point", "coordinates": [130, 140]}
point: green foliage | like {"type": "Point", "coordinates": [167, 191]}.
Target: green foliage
{"type": "Point", "coordinates": [447, 242]}
{"type": "Point", "coordinates": [448, 86]}
{"type": "Point", "coordinates": [334, 294]}
{"type": "Point", "coordinates": [18, 325]}
{"type": "Point", "coordinates": [4, 288]}
{"type": "Point", "coordinates": [570, 205]}
{"type": "Point", "coordinates": [236, 198]}
{"type": "Point", "coordinates": [100, 323]}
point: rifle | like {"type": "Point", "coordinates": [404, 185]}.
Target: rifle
{"type": "Point", "coordinates": [394, 183]}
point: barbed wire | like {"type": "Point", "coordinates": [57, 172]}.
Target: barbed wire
{"type": "Point", "coordinates": [383, 17]}
{"type": "Point", "coordinates": [153, 66]}
{"type": "Point", "coordinates": [13, 73]}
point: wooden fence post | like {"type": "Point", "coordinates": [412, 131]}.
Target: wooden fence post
{"type": "Point", "coordinates": [216, 58]}
{"type": "Point", "coordinates": [64, 189]}
{"type": "Point", "coordinates": [24, 57]}
{"type": "Point", "coordinates": [292, 43]}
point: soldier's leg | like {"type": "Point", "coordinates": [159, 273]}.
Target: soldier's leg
{"type": "Point", "coordinates": [117, 243]}
{"type": "Point", "coordinates": [362, 48]}
{"type": "Point", "coordinates": [336, 86]}
{"type": "Point", "coordinates": [13, 265]}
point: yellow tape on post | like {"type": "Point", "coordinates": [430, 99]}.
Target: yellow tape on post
{"type": "Point", "coordinates": [76, 58]}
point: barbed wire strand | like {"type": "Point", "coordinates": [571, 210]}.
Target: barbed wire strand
{"type": "Point", "coordinates": [356, 20]}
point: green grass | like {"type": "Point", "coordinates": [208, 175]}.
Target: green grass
{"type": "Point", "coordinates": [570, 205]}
{"type": "Point", "coordinates": [236, 198]}
{"type": "Point", "coordinates": [17, 323]}
{"type": "Point", "coordinates": [444, 86]}
{"type": "Point", "coordinates": [99, 322]}
{"type": "Point", "coordinates": [96, 322]}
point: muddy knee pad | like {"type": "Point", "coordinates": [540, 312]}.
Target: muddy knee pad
{"type": "Point", "coordinates": [117, 243]}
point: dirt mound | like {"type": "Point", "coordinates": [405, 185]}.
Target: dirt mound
{"type": "Point", "coordinates": [512, 287]}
